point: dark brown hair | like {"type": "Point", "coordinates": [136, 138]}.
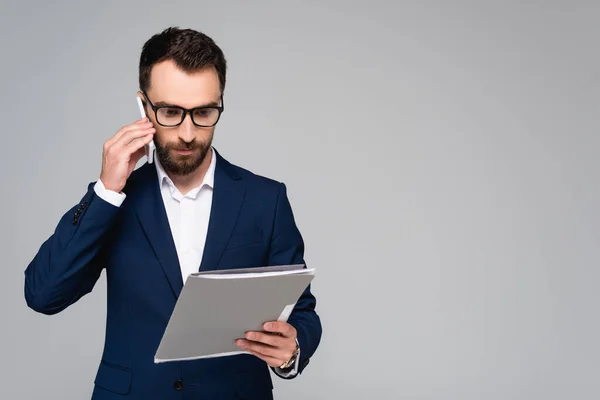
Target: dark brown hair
{"type": "Point", "coordinates": [189, 49]}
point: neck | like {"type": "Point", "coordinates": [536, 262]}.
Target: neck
{"type": "Point", "coordinates": [185, 183]}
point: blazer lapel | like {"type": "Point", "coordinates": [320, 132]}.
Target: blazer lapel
{"type": "Point", "coordinates": [228, 196]}
{"type": "Point", "coordinates": [152, 215]}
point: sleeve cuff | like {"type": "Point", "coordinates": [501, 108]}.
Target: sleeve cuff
{"type": "Point", "coordinates": [114, 198]}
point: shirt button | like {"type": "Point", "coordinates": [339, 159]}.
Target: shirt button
{"type": "Point", "coordinates": [178, 385]}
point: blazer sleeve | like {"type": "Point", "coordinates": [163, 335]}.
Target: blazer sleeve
{"type": "Point", "coordinates": [287, 247]}
{"type": "Point", "coordinates": [69, 262]}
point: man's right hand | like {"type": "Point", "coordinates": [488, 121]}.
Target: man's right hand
{"type": "Point", "coordinates": [122, 152]}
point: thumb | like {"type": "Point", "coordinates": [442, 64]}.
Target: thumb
{"type": "Point", "coordinates": [137, 155]}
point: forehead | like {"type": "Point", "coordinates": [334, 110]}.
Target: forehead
{"type": "Point", "coordinates": [172, 85]}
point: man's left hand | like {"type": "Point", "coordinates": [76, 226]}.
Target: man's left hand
{"type": "Point", "coordinates": [275, 346]}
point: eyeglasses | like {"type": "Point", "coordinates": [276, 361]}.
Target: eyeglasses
{"type": "Point", "coordinates": [170, 115]}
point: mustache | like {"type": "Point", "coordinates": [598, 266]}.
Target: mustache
{"type": "Point", "coordinates": [182, 146]}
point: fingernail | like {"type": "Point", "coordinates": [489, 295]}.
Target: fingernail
{"type": "Point", "coordinates": [251, 335]}
{"type": "Point", "coordinates": [268, 325]}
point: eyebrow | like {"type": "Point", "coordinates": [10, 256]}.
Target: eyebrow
{"type": "Point", "coordinates": [165, 104]}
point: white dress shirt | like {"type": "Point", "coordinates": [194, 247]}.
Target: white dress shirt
{"type": "Point", "coordinates": [188, 216]}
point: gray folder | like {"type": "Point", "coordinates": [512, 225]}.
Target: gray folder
{"type": "Point", "coordinates": [217, 307]}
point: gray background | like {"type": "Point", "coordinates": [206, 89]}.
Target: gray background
{"type": "Point", "coordinates": [441, 160]}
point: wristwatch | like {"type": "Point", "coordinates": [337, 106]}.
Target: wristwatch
{"type": "Point", "coordinates": [292, 358]}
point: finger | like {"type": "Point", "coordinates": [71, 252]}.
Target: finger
{"type": "Point", "coordinates": [271, 361]}
{"type": "Point", "coordinates": [137, 145]}
{"type": "Point", "coordinates": [128, 137]}
{"type": "Point", "coordinates": [272, 339]}
{"type": "Point", "coordinates": [283, 328]}
{"type": "Point", "coordinates": [112, 140]}
{"type": "Point", "coordinates": [140, 123]}
{"type": "Point", "coordinates": [125, 128]}
{"type": "Point", "coordinates": [261, 348]}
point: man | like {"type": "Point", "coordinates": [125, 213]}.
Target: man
{"type": "Point", "coordinates": [150, 228]}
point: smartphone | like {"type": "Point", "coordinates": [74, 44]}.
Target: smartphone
{"type": "Point", "coordinates": [149, 148]}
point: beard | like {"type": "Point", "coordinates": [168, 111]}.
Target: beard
{"type": "Point", "coordinates": [181, 165]}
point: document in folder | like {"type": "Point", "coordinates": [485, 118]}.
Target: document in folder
{"type": "Point", "coordinates": [217, 307]}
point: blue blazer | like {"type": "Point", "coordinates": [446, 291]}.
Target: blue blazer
{"type": "Point", "coordinates": [251, 224]}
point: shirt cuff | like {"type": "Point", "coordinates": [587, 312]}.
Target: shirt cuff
{"type": "Point", "coordinates": [290, 371]}
{"type": "Point", "coordinates": [114, 198]}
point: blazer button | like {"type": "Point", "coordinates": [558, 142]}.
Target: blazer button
{"type": "Point", "coordinates": [178, 385]}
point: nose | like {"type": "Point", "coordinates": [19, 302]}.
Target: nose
{"type": "Point", "coordinates": [187, 130]}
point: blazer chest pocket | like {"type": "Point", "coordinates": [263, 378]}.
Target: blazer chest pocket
{"type": "Point", "coordinates": [245, 238]}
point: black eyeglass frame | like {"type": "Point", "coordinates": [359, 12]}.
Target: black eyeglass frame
{"type": "Point", "coordinates": [154, 108]}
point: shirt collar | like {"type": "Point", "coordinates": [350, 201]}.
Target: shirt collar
{"type": "Point", "coordinates": [209, 177]}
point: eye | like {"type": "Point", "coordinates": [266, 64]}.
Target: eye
{"type": "Point", "coordinates": [171, 112]}
{"type": "Point", "coordinates": [203, 112]}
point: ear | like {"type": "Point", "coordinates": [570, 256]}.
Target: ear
{"type": "Point", "coordinates": [142, 97]}
{"type": "Point", "coordinates": [147, 108]}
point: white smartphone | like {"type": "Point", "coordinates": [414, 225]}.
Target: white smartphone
{"type": "Point", "coordinates": [149, 148]}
